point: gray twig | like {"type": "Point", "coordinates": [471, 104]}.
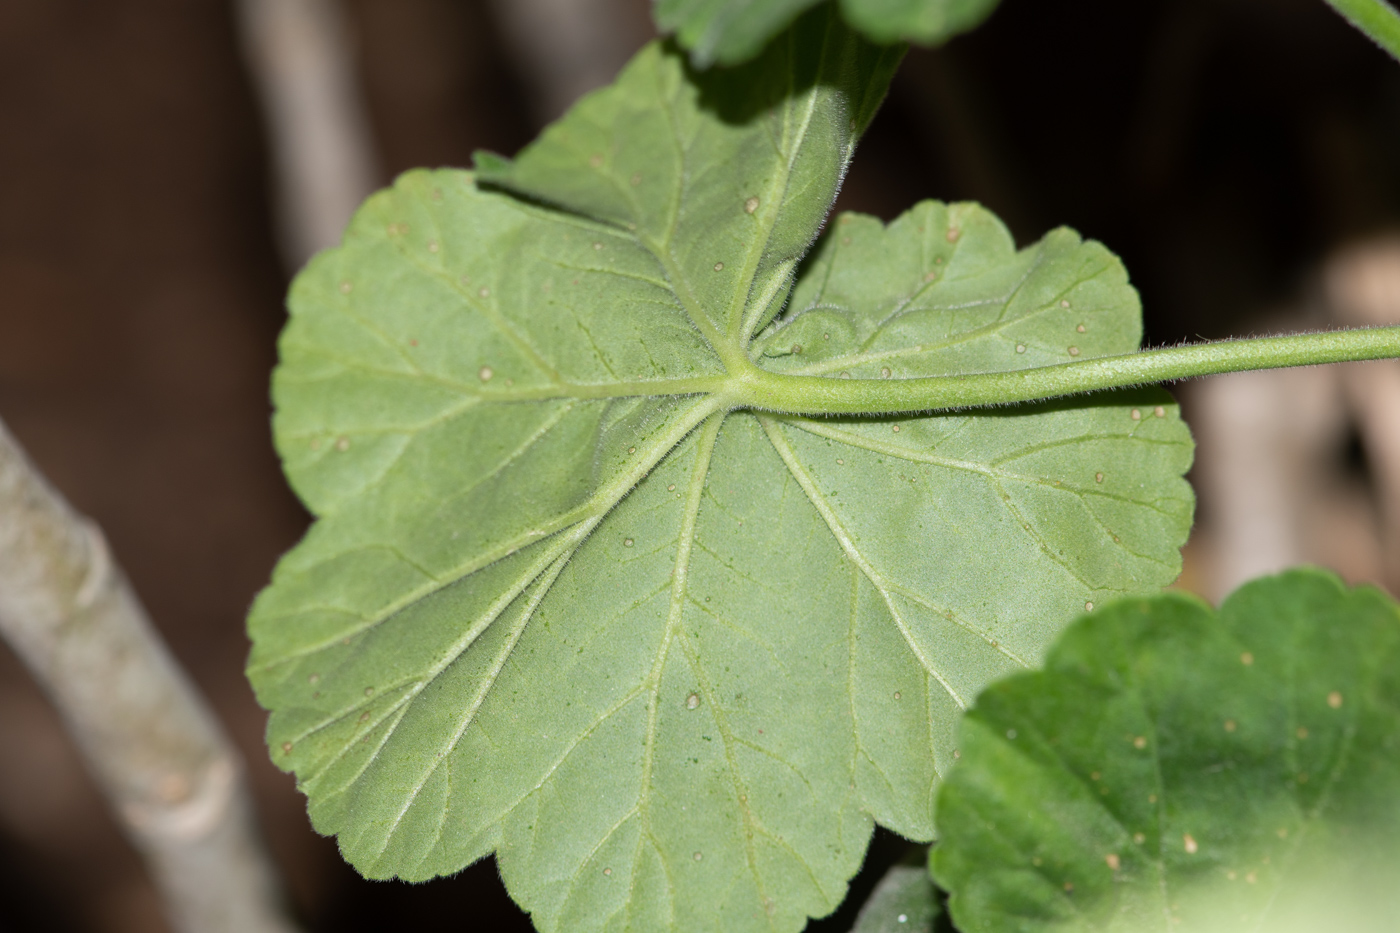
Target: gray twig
{"type": "Point", "coordinates": [165, 765]}
{"type": "Point", "coordinates": [318, 128]}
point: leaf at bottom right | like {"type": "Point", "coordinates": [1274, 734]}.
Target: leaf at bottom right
{"type": "Point", "coordinates": [1176, 768]}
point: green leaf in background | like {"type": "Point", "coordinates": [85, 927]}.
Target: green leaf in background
{"type": "Point", "coordinates": [1174, 768]}
{"type": "Point", "coordinates": [665, 659]}
{"type": "Point", "coordinates": [733, 31]}
{"type": "Point", "coordinates": [903, 902]}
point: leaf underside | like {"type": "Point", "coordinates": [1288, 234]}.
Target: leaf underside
{"type": "Point", "coordinates": [903, 902]}
{"type": "Point", "coordinates": [734, 31]}
{"type": "Point", "coordinates": [1176, 769]}
{"type": "Point", "coordinates": [669, 661]}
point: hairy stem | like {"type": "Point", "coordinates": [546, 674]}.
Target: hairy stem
{"type": "Point", "coordinates": [164, 764]}
{"type": "Point", "coordinates": [760, 389]}
{"type": "Point", "coordinates": [1376, 18]}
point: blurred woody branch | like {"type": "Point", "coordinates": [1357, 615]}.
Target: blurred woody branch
{"type": "Point", "coordinates": [166, 767]}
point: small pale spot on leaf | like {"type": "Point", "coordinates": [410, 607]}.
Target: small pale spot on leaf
{"type": "Point", "coordinates": [1140, 742]}
{"type": "Point", "coordinates": [719, 267]}
{"type": "Point", "coordinates": [692, 701]}
{"type": "Point", "coordinates": [898, 695]}
{"type": "Point", "coordinates": [1139, 838]}
{"type": "Point", "coordinates": [750, 205]}
{"type": "Point", "coordinates": [1334, 700]}
{"type": "Point", "coordinates": [1064, 304]}
{"type": "Point", "coordinates": [1230, 725]}
{"type": "Point", "coordinates": [885, 373]}
{"type": "Point", "coordinates": [364, 717]}
{"type": "Point", "coordinates": [597, 245]}
{"type": "Point", "coordinates": [485, 373]}
{"type": "Point", "coordinates": [1137, 414]}
{"type": "Point", "coordinates": [342, 443]}
{"type": "Point", "coordinates": [369, 691]}
{"type": "Point", "coordinates": [1159, 412]}
{"type": "Point", "coordinates": [1089, 607]}
{"type": "Point", "coordinates": [607, 871]}
{"type": "Point", "coordinates": [346, 288]}
{"type": "Point", "coordinates": [595, 160]}
{"type": "Point", "coordinates": [1020, 348]}
{"type": "Point", "coordinates": [433, 246]}
{"type": "Point", "coordinates": [1073, 351]}
{"type": "Point", "coordinates": [1188, 842]}
{"type": "Point", "coordinates": [1112, 860]}
{"type": "Point", "coordinates": [1080, 328]}
{"type": "Point", "coordinates": [1251, 877]}
{"type": "Point", "coordinates": [286, 748]}
{"type": "Point", "coordinates": [484, 292]}
{"type": "Point", "coordinates": [698, 856]}
{"type": "Point", "coordinates": [953, 234]}
{"type": "Point", "coordinates": [1098, 477]}
{"type": "Point", "coordinates": [1247, 658]}
{"type": "Point", "coordinates": [627, 542]}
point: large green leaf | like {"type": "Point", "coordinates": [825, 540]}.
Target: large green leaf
{"type": "Point", "coordinates": [1177, 769]}
{"type": "Point", "coordinates": [665, 658]}
{"type": "Point", "coordinates": [733, 31]}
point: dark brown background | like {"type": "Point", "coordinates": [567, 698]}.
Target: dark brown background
{"type": "Point", "coordinates": [1222, 147]}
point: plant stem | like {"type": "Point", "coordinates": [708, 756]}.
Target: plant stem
{"type": "Point", "coordinates": [1376, 18]}
{"type": "Point", "coordinates": [155, 748]}
{"type": "Point", "coordinates": [760, 389]}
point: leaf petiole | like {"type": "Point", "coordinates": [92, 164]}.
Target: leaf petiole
{"type": "Point", "coordinates": [1376, 18]}
{"type": "Point", "coordinates": [756, 388]}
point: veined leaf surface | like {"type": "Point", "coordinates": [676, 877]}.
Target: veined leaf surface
{"type": "Point", "coordinates": [668, 659]}
{"type": "Point", "coordinates": [1178, 769]}
{"type": "Point", "coordinates": [732, 31]}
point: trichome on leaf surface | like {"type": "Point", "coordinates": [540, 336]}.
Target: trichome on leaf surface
{"type": "Point", "coordinates": [575, 598]}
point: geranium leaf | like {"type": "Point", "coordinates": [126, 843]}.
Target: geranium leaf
{"type": "Point", "coordinates": [1174, 768]}
{"type": "Point", "coordinates": [903, 902]}
{"type": "Point", "coordinates": [734, 31]}
{"type": "Point", "coordinates": [667, 658]}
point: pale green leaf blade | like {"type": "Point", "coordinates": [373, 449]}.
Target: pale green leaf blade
{"type": "Point", "coordinates": [733, 31]}
{"type": "Point", "coordinates": [927, 22]}
{"type": "Point", "coordinates": [491, 407]}
{"type": "Point", "coordinates": [725, 176]}
{"type": "Point", "coordinates": [977, 534]}
{"type": "Point", "coordinates": [1177, 768]}
{"type": "Point", "coordinates": [903, 902]}
{"type": "Point", "coordinates": [726, 31]}
{"type": "Point", "coordinates": [561, 605]}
